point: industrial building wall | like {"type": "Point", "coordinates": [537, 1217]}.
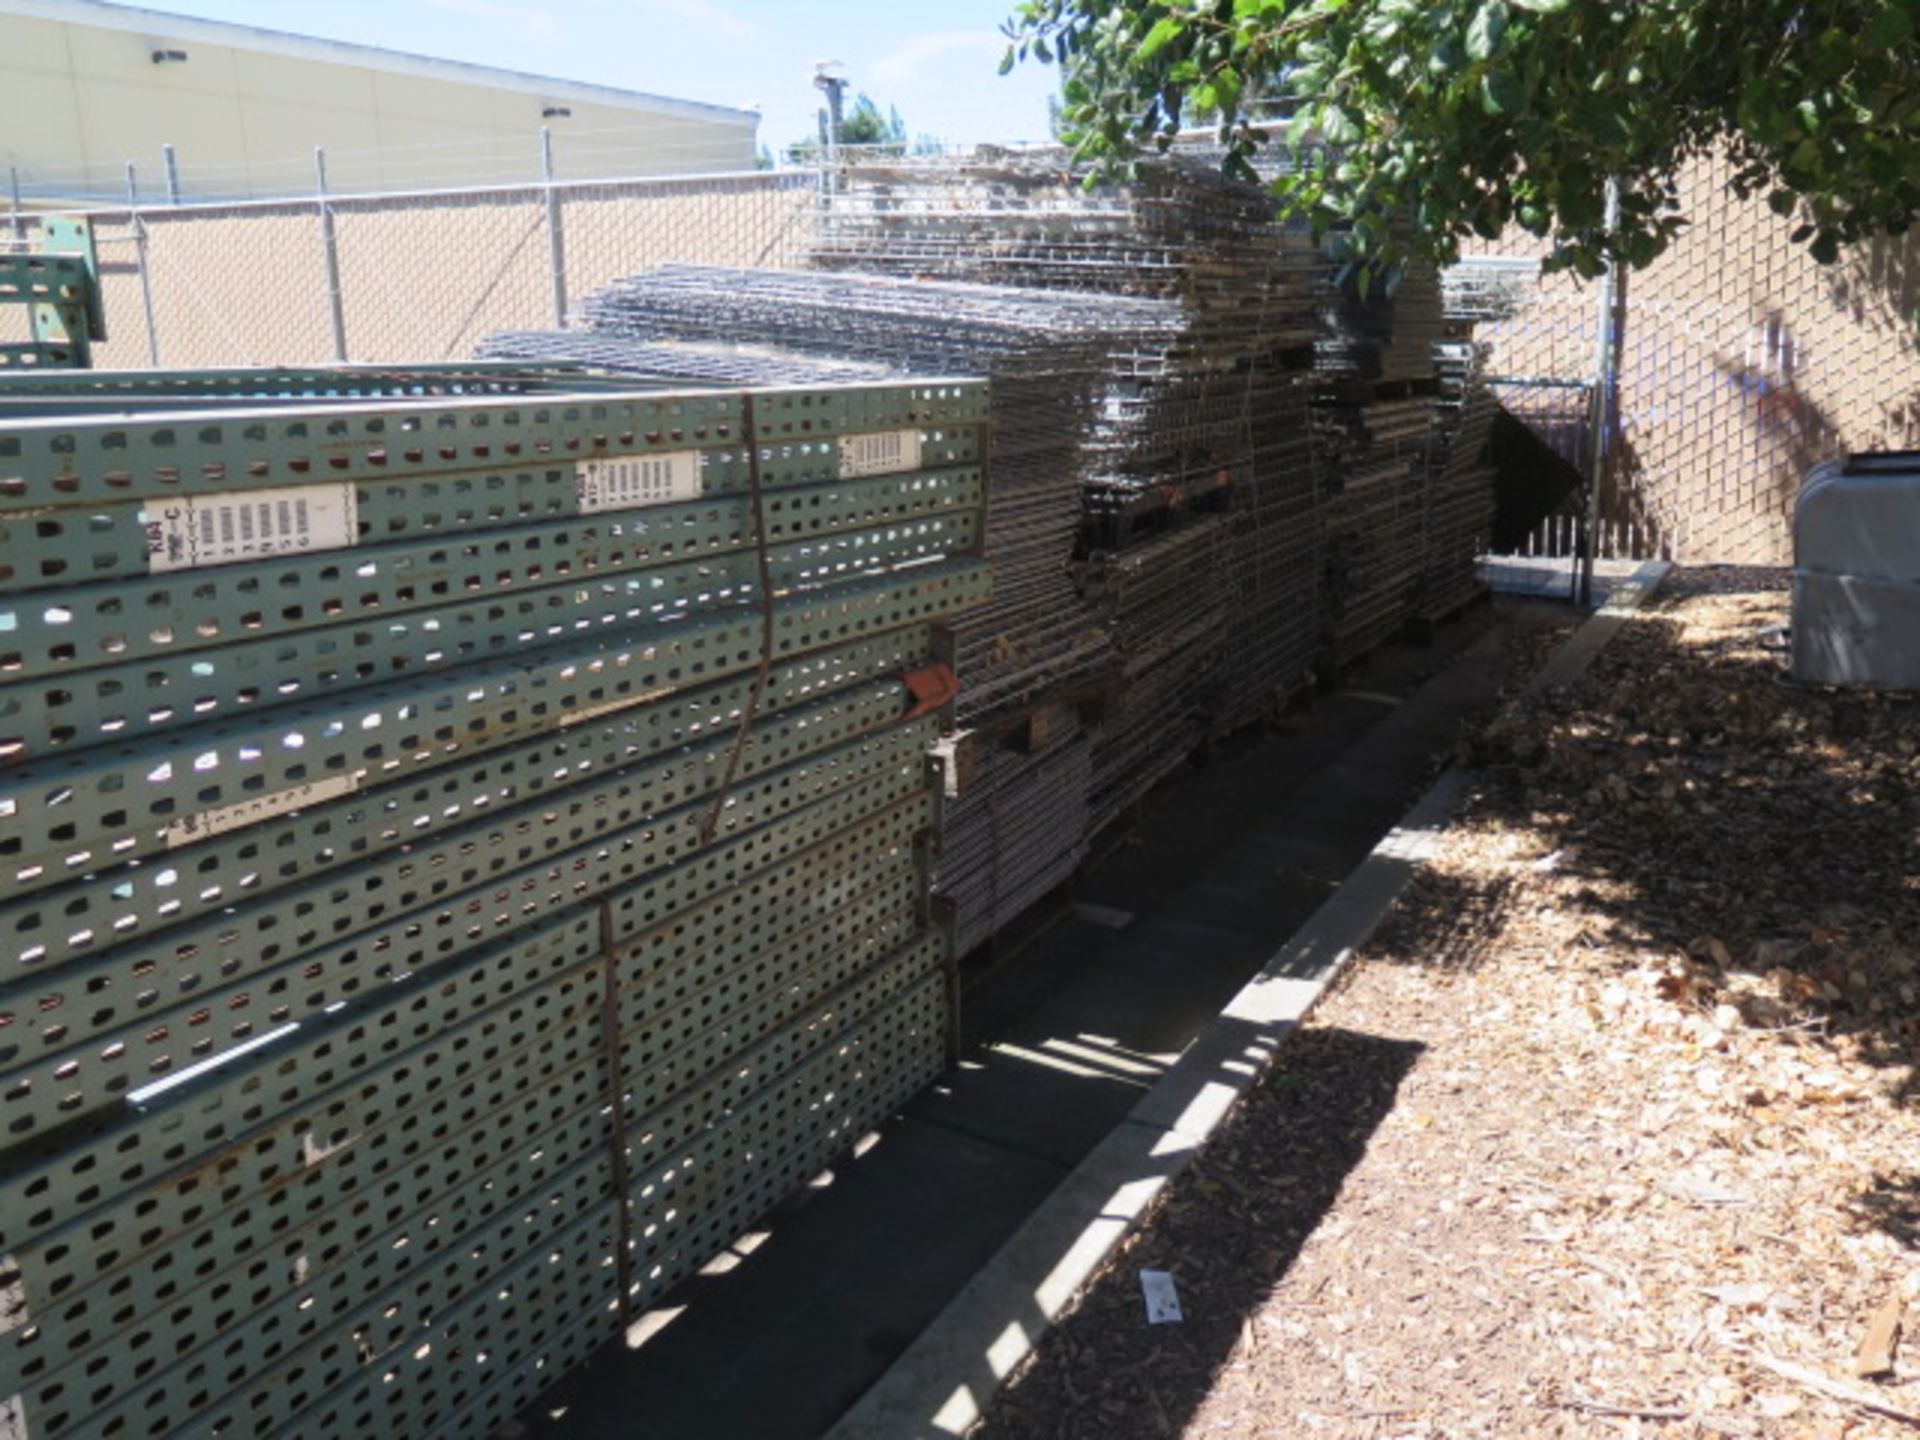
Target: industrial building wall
{"type": "Point", "coordinates": [1744, 363]}
{"type": "Point", "coordinates": [78, 102]}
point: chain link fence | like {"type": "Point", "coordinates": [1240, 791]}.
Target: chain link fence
{"type": "Point", "coordinates": [1743, 363]}
{"type": "Point", "coordinates": [399, 278]}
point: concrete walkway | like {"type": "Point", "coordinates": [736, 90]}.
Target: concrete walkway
{"type": "Point", "coordinates": [780, 1341]}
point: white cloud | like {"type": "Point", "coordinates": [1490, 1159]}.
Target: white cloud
{"type": "Point", "coordinates": [936, 55]}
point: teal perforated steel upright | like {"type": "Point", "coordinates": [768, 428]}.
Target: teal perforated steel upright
{"type": "Point", "coordinates": [58, 281]}
{"type": "Point", "coordinates": [465, 835]}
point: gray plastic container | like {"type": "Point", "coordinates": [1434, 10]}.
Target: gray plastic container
{"type": "Point", "coordinates": [1856, 572]}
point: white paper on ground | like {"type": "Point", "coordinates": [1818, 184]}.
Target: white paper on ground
{"type": "Point", "coordinates": [1163, 1301]}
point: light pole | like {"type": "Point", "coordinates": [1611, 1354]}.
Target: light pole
{"type": "Point", "coordinates": [829, 79]}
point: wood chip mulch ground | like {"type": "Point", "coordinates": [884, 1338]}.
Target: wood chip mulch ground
{"type": "Point", "coordinates": [1615, 1128]}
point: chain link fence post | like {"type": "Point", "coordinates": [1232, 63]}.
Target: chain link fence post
{"type": "Point", "coordinates": [1605, 400]}
{"type": "Point", "coordinates": [330, 249]}
{"type": "Point", "coordinates": [139, 229]}
{"type": "Point", "coordinates": [556, 236]}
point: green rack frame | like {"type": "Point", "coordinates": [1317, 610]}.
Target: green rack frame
{"type": "Point", "coordinates": [435, 933]}
{"type": "Point", "coordinates": [59, 284]}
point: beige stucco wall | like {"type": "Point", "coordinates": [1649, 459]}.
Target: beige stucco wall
{"type": "Point", "coordinates": [78, 101]}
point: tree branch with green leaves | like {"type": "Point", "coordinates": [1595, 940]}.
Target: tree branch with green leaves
{"type": "Point", "coordinates": [1467, 116]}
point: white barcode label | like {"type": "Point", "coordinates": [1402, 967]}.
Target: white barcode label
{"type": "Point", "coordinates": [261, 807]}
{"type": "Point", "coordinates": [629, 482]}
{"type": "Point", "coordinates": [882, 452]}
{"type": "Point", "coordinates": [201, 530]}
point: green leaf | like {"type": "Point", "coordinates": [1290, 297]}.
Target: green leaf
{"type": "Point", "coordinates": [1159, 37]}
{"type": "Point", "coordinates": [1006, 62]}
{"type": "Point", "coordinates": [1825, 247]}
{"type": "Point", "coordinates": [1486, 30]}
{"type": "Point", "coordinates": [1500, 93]}
{"type": "Point", "coordinates": [1890, 28]}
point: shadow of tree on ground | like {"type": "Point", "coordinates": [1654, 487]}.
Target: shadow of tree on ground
{"type": "Point", "coordinates": [1716, 809]}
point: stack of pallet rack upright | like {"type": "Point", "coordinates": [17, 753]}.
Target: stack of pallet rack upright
{"type": "Point", "coordinates": [466, 859]}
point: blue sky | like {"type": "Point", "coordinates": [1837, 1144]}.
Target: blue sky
{"type": "Point", "coordinates": [935, 60]}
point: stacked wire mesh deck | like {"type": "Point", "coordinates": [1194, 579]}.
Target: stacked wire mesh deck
{"type": "Point", "coordinates": [1460, 480]}
{"type": "Point", "coordinates": [466, 858]}
{"type": "Point", "coordinates": [1375, 418]}
{"type": "Point", "coordinates": [1038, 644]}
{"type": "Point", "coordinates": [1234, 456]}
{"type": "Point", "coordinates": [1200, 538]}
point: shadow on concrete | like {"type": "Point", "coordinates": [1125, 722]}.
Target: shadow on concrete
{"type": "Point", "coordinates": [1227, 1229]}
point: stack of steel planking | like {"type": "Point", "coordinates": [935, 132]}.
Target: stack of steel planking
{"type": "Point", "coordinates": [465, 842]}
{"type": "Point", "coordinates": [1038, 643]}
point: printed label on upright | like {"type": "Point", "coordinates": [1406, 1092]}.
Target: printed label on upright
{"type": "Point", "coordinates": [880, 452]}
{"type": "Point", "coordinates": [630, 482]}
{"type": "Point", "coordinates": [195, 531]}
{"type": "Point", "coordinates": [209, 823]}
